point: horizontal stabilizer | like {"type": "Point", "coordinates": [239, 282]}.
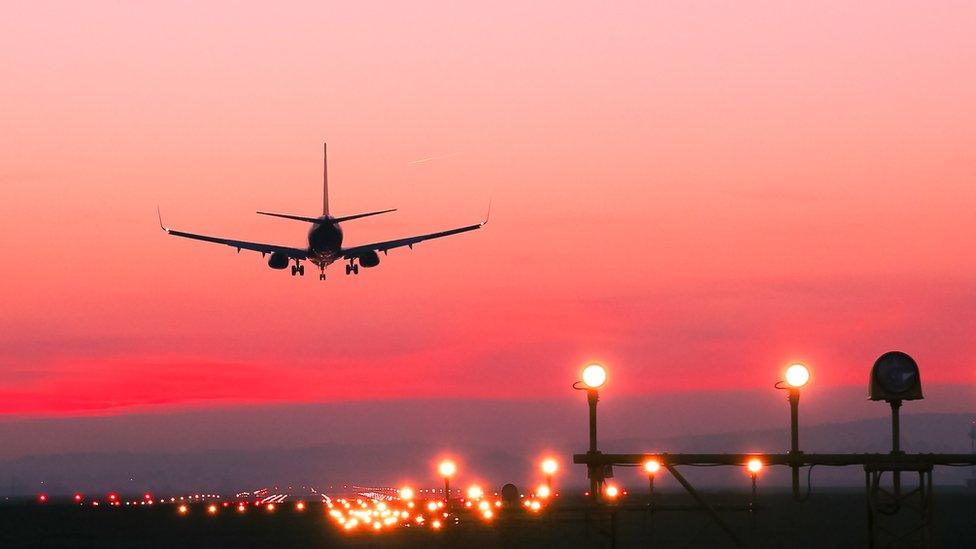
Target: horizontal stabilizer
{"type": "Point", "coordinates": [296, 217]}
{"type": "Point", "coordinates": [357, 216]}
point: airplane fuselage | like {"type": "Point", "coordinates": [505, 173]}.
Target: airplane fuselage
{"type": "Point", "coordinates": [325, 241]}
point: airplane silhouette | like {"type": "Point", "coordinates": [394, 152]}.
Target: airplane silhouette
{"type": "Point", "coordinates": [324, 239]}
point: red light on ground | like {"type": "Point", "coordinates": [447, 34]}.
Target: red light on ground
{"type": "Point", "coordinates": [78, 498]}
{"type": "Point", "coordinates": [42, 498]}
{"type": "Point", "coordinates": [147, 496]}
{"type": "Point", "coordinates": [113, 497]}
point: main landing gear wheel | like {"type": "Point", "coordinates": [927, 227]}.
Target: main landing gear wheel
{"type": "Point", "coordinates": [298, 269]}
{"type": "Point", "coordinates": [352, 268]}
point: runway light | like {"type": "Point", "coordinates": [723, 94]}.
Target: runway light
{"type": "Point", "coordinates": [406, 493]}
{"type": "Point", "coordinates": [42, 498]}
{"type": "Point", "coordinates": [436, 525]}
{"type": "Point", "coordinates": [271, 507]}
{"type": "Point", "coordinates": [612, 491]}
{"type": "Point", "coordinates": [212, 509]}
{"type": "Point", "coordinates": [754, 465]}
{"type": "Point", "coordinates": [797, 375]}
{"type": "Point", "coordinates": [432, 506]}
{"type": "Point", "coordinates": [550, 466]}
{"type": "Point", "coordinates": [652, 466]}
{"type": "Point", "coordinates": [543, 491]}
{"type": "Point", "coordinates": [475, 492]}
{"type": "Point", "coordinates": [78, 498]}
{"type": "Point", "coordinates": [594, 376]}
{"type": "Point", "coordinates": [300, 506]}
{"type": "Point", "coordinates": [447, 468]}
{"type": "Point", "coordinates": [183, 509]}
{"type": "Point", "coordinates": [241, 508]}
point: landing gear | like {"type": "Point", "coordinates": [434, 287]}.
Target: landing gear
{"type": "Point", "coordinates": [297, 269]}
{"type": "Point", "coordinates": [352, 268]}
{"type": "Point", "coordinates": [322, 272]}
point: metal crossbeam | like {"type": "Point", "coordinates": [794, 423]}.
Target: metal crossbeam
{"type": "Point", "coordinates": [796, 460]}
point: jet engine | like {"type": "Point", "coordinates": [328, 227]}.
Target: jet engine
{"type": "Point", "coordinates": [278, 260]}
{"type": "Point", "coordinates": [369, 259]}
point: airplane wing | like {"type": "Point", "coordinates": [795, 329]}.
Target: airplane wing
{"type": "Point", "coordinates": [295, 253]}
{"type": "Point", "coordinates": [356, 251]}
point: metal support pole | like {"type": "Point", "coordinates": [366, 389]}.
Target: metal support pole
{"type": "Point", "coordinates": [896, 442]}
{"type": "Point", "coordinates": [870, 508]}
{"type": "Point", "coordinates": [752, 503]}
{"type": "Point", "coordinates": [708, 508]}
{"type": "Point", "coordinates": [595, 471]}
{"type": "Point", "coordinates": [447, 493]}
{"type": "Point", "coordinates": [794, 399]}
{"type": "Point", "coordinates": [592, 396]}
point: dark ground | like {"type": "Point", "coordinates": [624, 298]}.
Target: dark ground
{"type": "Point", "coordinates": [832, 519]}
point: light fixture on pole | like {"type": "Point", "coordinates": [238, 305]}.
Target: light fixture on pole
{"type": "Point", "coordinates": [447, 468]}
{"type": "Point", "coordinates": [549, 468]}
{"type": "Point", "coordinates": [651, 467]}
{"type": "Point", "coordinates": [593, 376]}
{"type": "Point", "coordinates": [895, 378]}
{"type": "Point", "coordinates": [754, 465]}
{"type": "Point", "coordinates": [797, 375]}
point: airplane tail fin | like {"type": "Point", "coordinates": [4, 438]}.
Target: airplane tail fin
{"type": "Point", "coordinates": [325, 179]}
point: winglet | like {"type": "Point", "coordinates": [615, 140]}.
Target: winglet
{"type": "Point", "coordinates": [488, 216]}
{"type": "Point", "coordinates": [160, 216]}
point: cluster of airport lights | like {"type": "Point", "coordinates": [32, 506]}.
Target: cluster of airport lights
{"type": "Point", "coordinates": [594, 377]}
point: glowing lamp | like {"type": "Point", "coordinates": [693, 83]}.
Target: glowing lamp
{"type": "Point", "coordinates": [212, 509]}
{"type": "Point", "coordinates": [300, 506]}
{"type": "Point", "coordinates": [406, 493]}
{"type": "Point", "coordinates": [754, 465]}
{"type": "Point", "coordinates": [475, 492]}
{"type": "Point", "coordinates": [447, 468]}
{"type": "Point", "coordinates": [612, 491]}
{"type": "Point", "coordinates": [543, 491]}
{"type": "Point", "coordinates": [797, 375]}
{"type": "Point", "coordinates": [42, 498]}
{"type": "Point", "coordinates": [651, 466]}
{"type": "Point", "coordinates": [594, 376]}
{"type": "Point", "coordinates": [183, 509]}
{"type": "Point", "coordinates": [550, 466]}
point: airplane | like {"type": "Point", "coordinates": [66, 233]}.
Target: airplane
{"type": "Point", "coordinates": [324, 238]}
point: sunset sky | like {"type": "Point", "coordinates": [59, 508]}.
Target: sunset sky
{"type": "Point", "coordinates": [695, 193]}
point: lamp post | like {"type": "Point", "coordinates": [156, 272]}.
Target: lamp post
{"type": "Point", "coordinates": [447, 468]}
{"type": "Point", "coordinates": [754, 465]}
{"type": "Point", "coordinates": [594, 376]}
{"type": "Point", "coordinates": [797, 375]}
{"type": "Point", "coordinates": [651, 467]}
{"type": "Point", "coordinates": [549, 468]}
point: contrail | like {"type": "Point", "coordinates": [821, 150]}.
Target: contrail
{"type": "Point", "coordinates": [428, 159]}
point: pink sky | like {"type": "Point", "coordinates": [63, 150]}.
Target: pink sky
{"type": "Point", "coordinates": [695, 193]}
